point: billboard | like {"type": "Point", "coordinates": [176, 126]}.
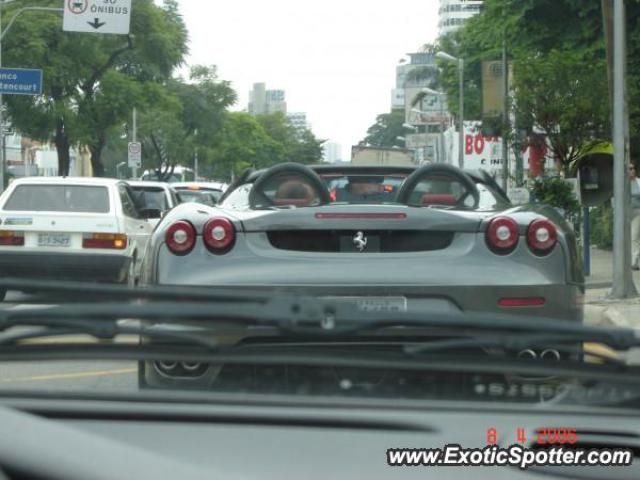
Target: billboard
{"type": "Point", "coordinates": [480, 151]}
{"type": "Point", "coordinates": [493, 88]}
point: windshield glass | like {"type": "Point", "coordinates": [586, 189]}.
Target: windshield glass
{"type": "Point", "coordinates": [151, 197]}
{"type": "Point", "coordinates": [424, 200]}
{"type": "Point", "coordinates": [207, 197]}
{"type": "Point", "coordinates": [58, 198]}
{"type": "Point", "coordinates": [361, 188]}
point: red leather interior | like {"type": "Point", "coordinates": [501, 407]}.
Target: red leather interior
{"type": "Point", "coordinates": [297, 202]}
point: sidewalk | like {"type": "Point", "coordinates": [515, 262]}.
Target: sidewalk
{"type": "Point", "coordinates": [601, 310]}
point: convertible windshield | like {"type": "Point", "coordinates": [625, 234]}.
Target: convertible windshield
{"type": "Point", "coordinates": [362, 188]}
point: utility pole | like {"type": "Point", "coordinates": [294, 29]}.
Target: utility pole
{"type": "Point", "coordinates": [623, 286]}
{"type": "Point", "coordinates": [134, 169]}
{"type": "Point", "coordinates": [195, 158]}
{"type": "Point", "coordinates": [461, 137]}
{"type": "Point", "coordinates": [505, 117]}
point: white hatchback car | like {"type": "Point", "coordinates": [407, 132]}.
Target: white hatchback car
{"type": "Point", "coordinates": [72, 229]}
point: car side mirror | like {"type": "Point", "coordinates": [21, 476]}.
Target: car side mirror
{"type": "Point", "coordinates": [150, 213]}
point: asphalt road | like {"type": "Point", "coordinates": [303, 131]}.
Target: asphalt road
{"type": "Point", "coordinates": [63, 376]}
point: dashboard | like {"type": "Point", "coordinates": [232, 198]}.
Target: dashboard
{"type": "Point", "coordinates": [241, 436]}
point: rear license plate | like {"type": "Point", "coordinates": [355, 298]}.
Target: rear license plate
{"type": "Point", "coordinates": [54, 240]}
{"type": "Point", "coordinates": [375, 304]}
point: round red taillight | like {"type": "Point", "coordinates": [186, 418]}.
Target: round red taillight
{"type": "Point", "coordinates": [219, 235]}
{"type": "Point", "coordinates": [542, 236]}
{"type": "Point", "coordinates": [502, 235]}
{"type": "Point", "coordinates": [180, 237]}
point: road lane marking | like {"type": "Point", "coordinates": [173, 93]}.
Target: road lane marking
{"type": "Point", "coordinates": [65, 376]}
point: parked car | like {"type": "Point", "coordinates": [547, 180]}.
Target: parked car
{"type": "Point", "coordinates": [71, 228]}
{"type": "Point", "coordinates": [150, 196]}
{"type": "Point", "coordinates": [207, 193]}
{"type": "Point", "coordinates": [384, 239]}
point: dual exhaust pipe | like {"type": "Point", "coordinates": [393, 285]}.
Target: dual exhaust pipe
{"type": "Point", "coordinates": [550, 354]}
{"type": "Point", "coordinates": [180, 369]}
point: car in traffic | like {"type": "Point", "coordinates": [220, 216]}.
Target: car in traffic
{"type": "Point", "coordinates": [385, 239]}
{"type": "Point", "coordinates": [206, 193]}
{"type": "Point", "coordinates": [175, 174]}
{"type": "Point", "coordinates": [71, 228]}
{"type": "Point", "coordinates": [150, 196]}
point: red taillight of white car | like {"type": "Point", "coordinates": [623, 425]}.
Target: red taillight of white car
{"type": "Point", "coordinates": [542, 236]}
{"type": "Point", "coordinates": [502, 235]}
{"type": "Point", "coordinates": [11, 239]}
{"type": "Point", "coordinates": [180, 237]}
{"type": "Point", "coordinates": [110, 241]}
{"type": "Point", "coordinates": [219, 235]}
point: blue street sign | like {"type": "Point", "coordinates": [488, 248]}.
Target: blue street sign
{"type": "Point", "coordinates": [20, 81]}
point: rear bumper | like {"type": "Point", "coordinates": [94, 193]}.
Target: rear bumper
{"type": "Point", "coordinates": [60, 266]}
{"type": "Point", "coordinates": [561, 301]}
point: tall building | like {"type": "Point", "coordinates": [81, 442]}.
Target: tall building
{"type": "Point", "coordinates": [331, 152]}
{"type": "Point", "coordinates": [263, 101]}
{"type": "Point", "coordinates": [298, 120]}
{"type": "Point", "coordinates": [453, 13]}
{"type": "Point", "coordinates": [421, 71]}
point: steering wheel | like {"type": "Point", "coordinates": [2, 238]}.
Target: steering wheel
{"type": "Point", "coordinates": [410, 183]}
{"type": "Point", "coordinates": [258, 199]}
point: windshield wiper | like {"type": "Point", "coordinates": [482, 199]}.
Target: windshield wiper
{"type": "Point", "coordinates": [98, 329]}
{"type": "Point", "coordinates": [107, 291]}
{"type": "Point", "coordinates": [297, 315]}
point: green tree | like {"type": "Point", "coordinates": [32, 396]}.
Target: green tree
{"type": "Point", "coordinates": [386, 130]}
{"type": "Point", "coordinates": [89, 79]}
{"type": "Point", "coordinates": [242, 143]}
{"type": "Point", "coordinates": [185, 116]}
{"type": "Point", "coordinates": [564, 96]}
{"type": "Point", "coordinates": [559, 68]}
{"type": "Point", "coordinates": [296, 146]}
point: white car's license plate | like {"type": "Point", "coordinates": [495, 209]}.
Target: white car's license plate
{"type": "Point", "coordinates": [376, 304]}
{"type": "Point", "coordinates": [54, 240]}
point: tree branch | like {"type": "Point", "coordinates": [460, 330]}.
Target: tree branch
{"type": "Point", "coordinates": [88, 86]}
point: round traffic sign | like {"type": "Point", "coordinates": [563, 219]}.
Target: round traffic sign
{"type": "Point", "coordinates": [134, 147]}
{"type": "Point", "coordinates": [78, 6]}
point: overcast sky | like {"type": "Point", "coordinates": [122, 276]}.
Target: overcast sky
{"type": "Point", "coordinates": [335, 59]}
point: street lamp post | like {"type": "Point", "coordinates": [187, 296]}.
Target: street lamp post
{"type": "Point", "coordinates": [460, 62]}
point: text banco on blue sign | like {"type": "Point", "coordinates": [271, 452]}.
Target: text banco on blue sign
{"type": "Point", "coordinates": [20, 81]}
